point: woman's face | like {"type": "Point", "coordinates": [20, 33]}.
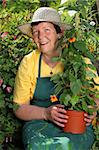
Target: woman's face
{"type": "Point", "coordinates": [45, 36]}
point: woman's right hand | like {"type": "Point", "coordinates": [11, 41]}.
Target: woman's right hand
{"type": "Point", "coordinates": [56, 114]}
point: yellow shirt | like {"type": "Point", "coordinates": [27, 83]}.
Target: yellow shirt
{"type": "Point", "coordinates": [25, 80]}
{"type": "Point", "coordinates": [96, 79]}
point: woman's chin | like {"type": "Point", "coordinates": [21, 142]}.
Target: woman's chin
{"type": "Point", "coordinates": [44, 49]}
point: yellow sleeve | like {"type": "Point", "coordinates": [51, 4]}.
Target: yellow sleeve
{"type": "Point", "coordinates": [96, 79]}
{"type": "Point", "coordinates": [24, 84]}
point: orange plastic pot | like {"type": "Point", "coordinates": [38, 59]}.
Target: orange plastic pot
{"type": "Point", "coordinates": [76, 123]}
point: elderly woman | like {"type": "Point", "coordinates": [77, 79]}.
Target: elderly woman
{"type": "Point", "coordinates": [33, 88]}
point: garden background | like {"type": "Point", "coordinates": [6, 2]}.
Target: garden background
{"type": "Point", "coordinates": [83, 14]}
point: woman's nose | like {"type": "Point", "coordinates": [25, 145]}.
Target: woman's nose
{"type": "Point", "coordinates": [40, 35]}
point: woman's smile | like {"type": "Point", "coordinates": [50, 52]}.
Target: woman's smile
{"type": "Point", "coordinates": [44, 43]}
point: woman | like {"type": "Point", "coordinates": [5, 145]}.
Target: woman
{"type": "Point", "coordinates": [33, 88]}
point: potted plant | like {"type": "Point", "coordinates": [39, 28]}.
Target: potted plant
{"type": "Point", "coordinates": [76, 84]}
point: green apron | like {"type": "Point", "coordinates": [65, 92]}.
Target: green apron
{"type": "Point", "coordinates": [45, 135]}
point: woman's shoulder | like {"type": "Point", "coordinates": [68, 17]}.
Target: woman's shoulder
{"type": "Point", "coordinates": [29, 60]}
{"type": "Point", "coordinates": [28, 65]}
{"type": "Point", "coordinates": [32, 55]}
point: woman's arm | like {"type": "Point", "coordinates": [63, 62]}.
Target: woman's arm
{"type": "Point", "coordinates": [30, 112]}
{"type": "Point", "coordinates": [56, 113]}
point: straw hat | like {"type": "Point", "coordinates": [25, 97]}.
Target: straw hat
{"type": "Point", "coordinates": [43, 14]}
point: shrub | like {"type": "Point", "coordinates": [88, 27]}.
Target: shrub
{"type": "Point", "coordinates": [13, 46]}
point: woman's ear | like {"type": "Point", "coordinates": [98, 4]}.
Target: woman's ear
{"type": "Point", "coordinates": [59, 36]}
{"type": "Point", "coordinates": [62, 30]}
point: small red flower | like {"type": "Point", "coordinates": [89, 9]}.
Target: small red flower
{"type": "Point", "coordinates": [4, 35]}
{"type": "Point", "coordinates": [71, 40]}
{"type": "Point", "coordinates": [8, 89]}
{"type": "Point", "coordinates": [15, 37]}
{"type": "Point", "coordinates": [53, 98]}
{"type": "Point", "coordinates": [1, 81]}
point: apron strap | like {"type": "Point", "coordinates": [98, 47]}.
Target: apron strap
{"type": "Point", "coordinates": [39, 68]}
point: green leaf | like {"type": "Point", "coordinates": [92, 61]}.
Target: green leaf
{"type": "Point", "coordinates": [71, 77]}
{"type": "Point", "coordinates": [55, 78]}
{"type": "Point", "coordinates": [91, 66]}
{"type": "Point", "coordinates": [95, 35]}
{"type": "Point", "coordinates": [97, 95]}
{"type": "Point", "coordinates": [65, 51]}
{"type": "Point", "coordinates": [90, 74]}
{"type": "Point", "coordinates": [54, 59]}
{"type": "Point", "coordinates": [76, 66]}
{"type": "Point", "coordinates": [65, 98]}
{"type": "Point", "coordinates": [2, 137]}
{"type": "Point", "coordinates": [80, 45]}
{"type": "Point", "coordinates": [15, 106]}
{"type": "Point", "coordinates": [84, 105]}
{"type": "Point", "coordinates": [75, 86]}
{"type": "Point", "coordinates": [90, 111]}
{"type": "Point", "coordinates": [58, 87]}
{"type": "Point", "coordinates": [74, 100]}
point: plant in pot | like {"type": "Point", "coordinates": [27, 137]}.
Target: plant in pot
{"type": "Point", "coordinates": [77, 84]}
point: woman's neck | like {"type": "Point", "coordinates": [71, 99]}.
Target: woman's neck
{"type": "Point", "coordinates": [48, 59]}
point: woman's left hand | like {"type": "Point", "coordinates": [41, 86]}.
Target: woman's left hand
{"type": "Point", "coordinates": [89, 118]}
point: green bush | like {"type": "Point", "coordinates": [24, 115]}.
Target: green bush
{"type": "Point", "coordinates": [13, 46]}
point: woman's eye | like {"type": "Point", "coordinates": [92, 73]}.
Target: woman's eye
{"type": "Point", "coordinates": [47, 30]}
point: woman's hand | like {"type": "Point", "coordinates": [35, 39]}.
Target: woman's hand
{"type": "Point", "coordinates": [89, 118]}
{"type": "Point", "coordinates": [56, 114]}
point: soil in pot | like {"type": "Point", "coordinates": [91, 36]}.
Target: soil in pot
{"type": "Point", "coordinates": [76, 123]}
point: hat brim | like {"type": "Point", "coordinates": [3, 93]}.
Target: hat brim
{"type": "Point", "coordinates": [27, 30]}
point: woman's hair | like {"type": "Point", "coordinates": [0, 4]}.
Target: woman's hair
{"type": "Point", "coordinates": [57, 28]}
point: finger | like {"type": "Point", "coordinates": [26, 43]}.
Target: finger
{"type": "Point", "coordinates": [60, 119]}
{"type": "Point", "coordinates": [59, 113]}
{"type": "Point", "coordinates": [90, 117]}
{"type": "Point", "coordinates": [59, 123]}
{"type": "Point", "coordinates": [60, 105]}
{"type": "Point", "coordinates": [93, 115]}
{"type": "Point", "coordinates": [88, 121]}
{"type": "Point", "coordinates": [87, 124]}
{"type": "Point", "coordinates": [63, 116]}
{"type": "Point", "coordinates": [54, 108]}
{"type": "Point", "coordinates": [85, 114]}
{"type": "Point", "coordinates": [61, 110]}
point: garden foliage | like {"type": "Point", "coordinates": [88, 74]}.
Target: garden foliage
{"type": "Point", "coordinates": [14, 45]}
